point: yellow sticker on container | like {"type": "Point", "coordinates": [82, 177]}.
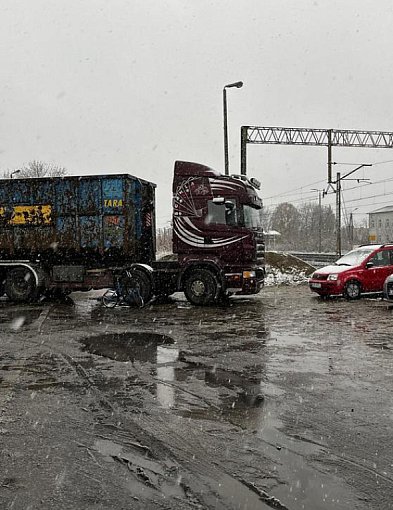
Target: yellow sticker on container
{"type": "Point", "coordinates": [27, 215]}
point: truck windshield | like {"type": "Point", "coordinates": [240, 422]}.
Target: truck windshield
{"type": "Point", "coordinates": [252, 218]}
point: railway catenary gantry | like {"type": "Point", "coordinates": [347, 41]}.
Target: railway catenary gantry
{"type": "Point", "coordinates": [313, 137]}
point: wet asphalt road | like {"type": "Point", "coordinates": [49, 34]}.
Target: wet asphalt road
{"type": "Point", "coordinates": [277, 401]}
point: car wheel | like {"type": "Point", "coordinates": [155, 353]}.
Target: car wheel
{"type": "Point", "coordinates": [352, 290]}
{"type": "Point", "coordinates": [201, 287]}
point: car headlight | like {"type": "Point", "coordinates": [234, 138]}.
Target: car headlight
{"type": "Point", "coordinates": [333, 276]}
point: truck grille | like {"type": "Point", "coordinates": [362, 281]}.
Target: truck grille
{"type": "Point", "coordinates": [260, 242]}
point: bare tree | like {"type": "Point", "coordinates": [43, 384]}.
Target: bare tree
{"type": "Point", "coordinates": [37, 168]}
{"type": "Point", "coordinates": [286, 220]}
{"type": "Point", "coordinates": [301, 228]}
{"type": "Point", "coordinates": [266, 219]}
{"type": "Point", "coordinates": [164, 240]}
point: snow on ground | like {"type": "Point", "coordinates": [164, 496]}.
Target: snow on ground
{"type": "Point", "coordinates": [291, 276]}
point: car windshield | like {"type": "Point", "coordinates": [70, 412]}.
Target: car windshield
{"type": "Point", "coordinates": [252, 217]}
{"type": "Point", "coordinates": [355, 257]}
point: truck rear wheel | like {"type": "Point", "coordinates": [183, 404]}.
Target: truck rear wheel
{"type": "Point", "coordinates": [20, 285]}
{"type": "Point", "coordinates": [201, 287]}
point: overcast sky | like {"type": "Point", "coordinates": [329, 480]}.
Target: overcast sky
{"type": "Point", "coordinates": [103, 86]}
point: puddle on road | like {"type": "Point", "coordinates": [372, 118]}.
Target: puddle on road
{"type": "Point", "coordinates": [148, 474]}
{"type": "Point", "coordinates": [249, 400]}
{"type": "Point", "coordinates": [144, 348]}
{"type": "Point", "coordinates": [246, 399]}
{"type": "Point", "coordinates": [157, 476]}
{"type": "Point", "coordinates": [295, 353]}
{"type": "Point", "coordinates": [127, 346]}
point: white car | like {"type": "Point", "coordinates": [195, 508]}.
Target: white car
{"type": "Point", "coordinates": [388, 288]}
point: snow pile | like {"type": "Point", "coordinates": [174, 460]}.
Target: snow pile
{"type": "Point", "coordinates": [291, 276]}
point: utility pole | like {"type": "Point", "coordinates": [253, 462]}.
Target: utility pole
{"type": "Point", "coordinates": [351, 229]}
{"type": "Point", "coordinates": [329, 142]}
{"type": "Point", "coordinates": [338, 214]}
{"type": "Point", "coordinates": [319, 219]}
{"type": "Point", "coordinates": [338, 201]}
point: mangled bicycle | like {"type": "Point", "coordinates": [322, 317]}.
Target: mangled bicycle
{"type": "Point", "coordinates": [131, 288]}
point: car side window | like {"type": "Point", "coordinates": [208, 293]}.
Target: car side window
{"type": "Point", "coordinates": [382, 258]}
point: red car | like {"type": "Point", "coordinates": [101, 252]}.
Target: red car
{"type": "Point", "coordinates": [359, 271]}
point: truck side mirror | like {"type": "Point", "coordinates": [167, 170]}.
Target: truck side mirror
{"type": "Point", "coordinates": [369, 264]}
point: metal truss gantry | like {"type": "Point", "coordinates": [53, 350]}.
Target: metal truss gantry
{"type": "Point", "coordinates": [314, 137]}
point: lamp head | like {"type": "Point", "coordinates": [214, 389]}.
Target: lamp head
{"type": "Point", "coordinates": [237, 84]}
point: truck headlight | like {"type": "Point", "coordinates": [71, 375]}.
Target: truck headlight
{"type": "Point", "coordinates": [333, 277]}
{"type": "Point", "coordinates": [249, 274]}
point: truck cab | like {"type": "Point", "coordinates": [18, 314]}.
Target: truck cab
{"type": "Point", "coordinates": [216, 232]}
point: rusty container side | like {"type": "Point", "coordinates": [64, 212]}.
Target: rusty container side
{"type": "Point", "coordinates": [99, 221]}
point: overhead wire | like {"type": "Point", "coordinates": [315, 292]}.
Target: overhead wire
{"type": "Point", "coordinates": [299, 197]}
{"type": "Point", "coordinates": [289, 192]}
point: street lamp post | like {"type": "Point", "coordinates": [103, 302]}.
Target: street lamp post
{"type": "Point", "coordinates": [238, 85]}
{"type": "Point", "coordinates": [13, 173]}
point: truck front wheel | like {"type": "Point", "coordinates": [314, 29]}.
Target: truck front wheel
{"type": "Point", "coordinates": [20, 285]}
{"type": "Point", "coordinates": [201, 287]}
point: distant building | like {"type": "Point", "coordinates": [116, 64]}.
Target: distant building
{"type": "Point", "coordinates": [380, 225]}
{"type": "Point", "coordinates": [270, 239]}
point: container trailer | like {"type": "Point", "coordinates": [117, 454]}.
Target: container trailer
{"type": "Point", "coordinates": [64, 234]}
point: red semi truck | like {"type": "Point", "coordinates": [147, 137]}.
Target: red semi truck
{"type": "Point", "coordinates": [90, 232]}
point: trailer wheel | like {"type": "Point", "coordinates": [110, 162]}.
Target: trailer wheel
{"type": "Point", "coordinates": [136, 287]}
{"type": "Point", "coordinates": [201, 287]}
{"type": "Point", "coordinates": [20, 285]}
